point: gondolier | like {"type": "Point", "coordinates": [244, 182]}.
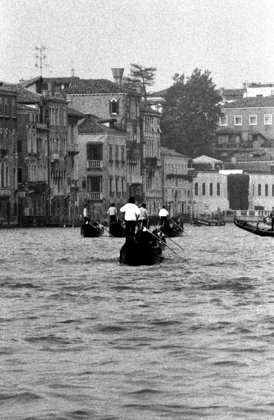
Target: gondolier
{"type": "Point", "coordinates": [163, 213]}
{"type": "Point", "coordinates": [112, 211]}
{"type": "Point", "coordinates": [132, 213]}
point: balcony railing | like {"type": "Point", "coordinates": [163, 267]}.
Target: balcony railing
{"type": "Point", "coordinates": [94, 164]}
{"type": "Point", "coordinates": [5, 192]}
{"type": "Point", "coordinates": [135, 179]}
{"type": "Point", "coordinates": [95, 196]}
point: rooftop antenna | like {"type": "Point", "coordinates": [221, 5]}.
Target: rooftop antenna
{"type": "Point", "coordinates": [40, 58]}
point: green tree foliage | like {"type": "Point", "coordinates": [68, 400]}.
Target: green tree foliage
{"type": "Point", "coordinates": [191, 112]}
{"type": "Point", "coordinates": [140, 78]}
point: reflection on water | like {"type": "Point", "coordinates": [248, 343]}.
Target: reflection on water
{"type": "Point", "coordinates": [83, 337]}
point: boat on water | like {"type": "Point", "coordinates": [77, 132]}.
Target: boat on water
{"type": "Point", "coordinates": [171, 229]}
{"type": "Point", "coordinates": [200, 221]}
{"type": "Point", "coordinates": [141, 249]}
{"type": "Point", "coordinates": [92, 230]}
{"type": "Point", "coordinates": [118, 229]}
{"type": "Point", "coordinates": [254, 228]}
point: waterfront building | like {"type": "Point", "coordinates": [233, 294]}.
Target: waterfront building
{"type": "Point", "coordinates": [8, 155]}
{"type": "Point", "coordinates": [112, 101]}
{"type": "Point", "coordinates": [151, 159]}
{"type": "Point", "coordinates": [101, 166]}
{"type": "Point", "coordinates": [176, 182]}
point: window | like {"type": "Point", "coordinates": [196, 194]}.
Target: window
{"type": "Point", "coordinates": [64, 117]}
{"type": "Point", "coordinates": [196, 188]}
{"type": "Point", "coordinates": [204, 189]}
{"type": "Point", "coordinates": [6, 108]}
{"type": "Point", "coordinates": [211, 188]}
{"type": "Point", "coordinates": [267, 119]}
{"type": "Point", "coordinates": [238, 120]}
{"type": "Point", "coordinates": [116, 185]}
{"type": "Point", "coordinates": [218, 189]}
{"type": "Point", "coordinates": [51, 115]}
{"type": "Point", "coordinates": [93, 183]}
{"type": "Point", "coordinates": [123, 154]}
{"type": "Point", "coordinates": [110, 186]}
{"type": "Point", "coordinates": [20, 175]}
{"type": "Point", "coordinates": [223, 120]}
{"type": "Point", "coordinates": [1, 108]}
{"type": "Point", "coordinates": [116, 153]}
{"type": "Point", "coordinates": [110, 156]}
{"type": "Point", "coordinates": [57, 116]}
{"type": "Point", "coordinates": [13, 109]}
{"type": "Point", "coordinates": [252, 119]}
{"type": "Point", "coordinates": [266, 190]}
{"type": "Point", "coordinates": [114, 106]}
{"type": "Point", "coordinates": [94, 152]}
{"type": "Point", "coordinates": [259, 190]}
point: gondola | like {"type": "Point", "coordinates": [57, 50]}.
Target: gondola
{"type": "Point", "coordinates": [117, 229]}
{"type": "Point", "coordinates": [251, 228]}
{"type": "Point", "coordinates": [199, 221]}
{"type": "Point", "coordinates": [160, 235]}
{"type": "Point", "coordinates": [92, 230]}
{"type": "Point", "coordinates": [141, 249]}
{"type": "Point", "coordinates": [172, 230]}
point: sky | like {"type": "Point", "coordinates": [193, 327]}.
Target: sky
{"type": "Point", "coordinates": [232, 39]}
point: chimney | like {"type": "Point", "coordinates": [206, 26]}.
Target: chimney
{"type": "Point", "coordinates": [117, 75]}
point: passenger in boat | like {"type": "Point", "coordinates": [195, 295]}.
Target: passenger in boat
{"type": "Point", "coordinates": [86, 214]}
{"type": "Point", "coordinates": [271, 215]}
{"type": "Point", "coordinates": [163, 213]}
{"type": "Point", "coordinates": [132, 213]}
{"type": "Point", "coordinates": [143, 218]}
{"type": "Point", "coordinates": [112, 212]}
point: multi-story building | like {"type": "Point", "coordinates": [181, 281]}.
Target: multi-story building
{"type": "Point", "coordinates": [110, 100]}
{"type": "Point", "coordinates": [243, 122]}
{"type": "Point", "coordinates": [101, 166]}
{"type": "Point", "coordinates": [8, 155]}
{"type": "Point", "coordinates": [151, 159]}
{"type": "Point", "coordinates": [176, 182]}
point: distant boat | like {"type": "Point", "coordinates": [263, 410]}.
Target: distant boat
{"type": "Point", "coordinates": [253, 228]}
{"type": "Point", "coordinates": [200, 221]}
{"type": "Point", "coordinates": [118, 229]}
{"type": "Point", "coordinates": [92, 230]}
{"type": "Point", "coordinates": [141, 249]}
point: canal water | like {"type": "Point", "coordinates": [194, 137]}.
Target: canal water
{"type": "Point", "coordinates": [83, 337]}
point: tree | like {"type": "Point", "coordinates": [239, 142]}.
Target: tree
{"type": "Point", "coordinates": [190, 114]}
{"type": "Point", "coordinates": [140, 78]}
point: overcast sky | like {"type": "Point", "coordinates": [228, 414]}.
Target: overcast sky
{"type": "Point", "coordinates": [233, 39]}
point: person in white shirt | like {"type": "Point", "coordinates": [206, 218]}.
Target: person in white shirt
{"type": "Point", "coordinates": [112, 213]}
{"type": "Point", "coordinates": [132, 213]}
{"type": "Point", "coordinates": [143, 218]}
{"type": "Point", "coordinates": [86, 214]}
{"type": "Point", "coordinates": [163, 213]}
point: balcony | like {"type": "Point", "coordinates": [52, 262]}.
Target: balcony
{"type": "Point", "coordinates": [54, 157]}
{"type": "Point", "coordinates": [94, 164]}
{"type": "Point", "coordinates": [135, 179]}
{"type": "Point", "coordinates": [95, 196]}
{"type": "Point", "coordinates": [5, 192]}
{"type": "Point", "coordinates": [152, 161]}
{"type": "Point", "coordinates": [73, 149]}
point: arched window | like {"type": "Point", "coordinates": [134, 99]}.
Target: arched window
{"type": "Point", "coordinates": [204, 188]}
{"type": "Point", "coordinates": [211, 188]}
{"type": "Point", "coordinates": [218, 189]}
{"type": "Point", "coordinates": [1, 107]}
{"type": "Point", "coordinates": [2, 175]}
{"type": "Point", "coordinates": [266, 190]}
{"type": "Point", "coordinates": [259, 190]}
{"type": "Point", "coordinates": [6, 108]}
{"type": "Point", "coordinates": [272, 190]}
{"type": "Point", "coordinates": [13, 108]}
{"type": "Point", "coordinates": [196, 188]}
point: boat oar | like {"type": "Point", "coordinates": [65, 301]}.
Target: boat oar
{"type": "Point", "coordinates": [172, 241]}
{"type": "Point", "coordinates": [108, 232]}
{"type": "Point", "coordinates": [164, 243]}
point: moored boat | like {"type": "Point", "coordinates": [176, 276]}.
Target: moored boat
{"type": "Point", "coordinates": [141, 249]}
{"type": "Point", "coordinates": [254, 228]}
{"type": "Point", "coordinates": [92, 230]}
{"type": "Point", "coordinates": [199, 221]}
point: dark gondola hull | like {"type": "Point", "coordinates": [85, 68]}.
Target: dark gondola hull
{"type": "Point", "coordinates": [117, 229]}
{"type": "Point", "coordinates": [140, 250]}
{"type": "Point", "coordinates": [251, 228]}
{"type": "Point", "coordinates": [90, 231]}
{"type": "Point", "coordinates": [172, 231]}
